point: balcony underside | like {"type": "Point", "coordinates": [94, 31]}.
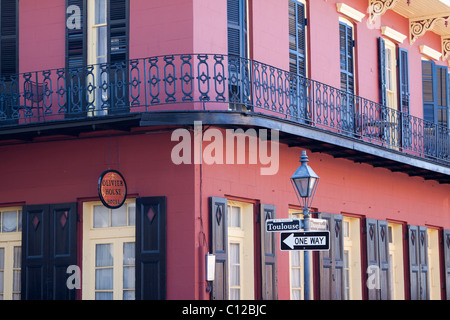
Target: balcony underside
{"type": "Point", "coordinates": [292, 133]}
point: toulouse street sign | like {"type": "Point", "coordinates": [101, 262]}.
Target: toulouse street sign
{"type": "Point", "coordinates": [274, 225]}
{"type": "Point", "coordinates": [306, 240]}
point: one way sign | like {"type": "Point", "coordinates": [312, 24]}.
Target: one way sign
{"type": "Point", "coordinates": [307, 240]}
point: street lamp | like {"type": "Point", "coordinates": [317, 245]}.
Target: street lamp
{"type": "Point", "coordinates": [305, 180]}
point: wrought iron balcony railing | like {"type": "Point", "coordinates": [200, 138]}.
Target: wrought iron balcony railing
{"type": "Point", "coordinates": [213, 82]}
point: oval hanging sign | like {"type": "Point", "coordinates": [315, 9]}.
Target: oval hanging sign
{"type": "Point", "coordinates": [112, 189]}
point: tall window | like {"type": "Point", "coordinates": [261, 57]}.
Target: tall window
{"type": "Point", "coordinates": [98, 53]}
{"type": "Point", "coordinates": [435, 93]}
{"type": "Point", "coordinates": [109, 244]}
{"type": "Point", "coordinates": [396, 268]}
{"type": "Point", "coordinates": [352, 259]}
{"type": "Point", "coordinates": [296, 265]}
{"type": "Point", "coordinates": [240, 246]}
{"type": "Point", "coordinates": [10, 253]}
{"type": "Point", "coordinates": [434, 264]}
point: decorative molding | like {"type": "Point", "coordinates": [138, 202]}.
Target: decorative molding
{"type": "Point", "coordinates": [446, 48]}
{"type": "Point", "coordinates": [379, 7]}
{"type": "Point", "coordinates": [418, 27]}
{"type": "Point", "coordinates": [349, 12]}
{"type": "Point", "coordinates": [393, 34]}
{"type": "Point", "coordinates": [433, 54]}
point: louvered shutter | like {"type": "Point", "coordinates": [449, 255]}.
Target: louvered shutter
{"type": "Point", "coordinates": [429, 91]}
{"type": "Point", "coordinates": [49, 247]}
{"type": "Point", "coordinates": [151, 248]}
{"type": "Point", "coordinates": [446, 248]}
{"type": "Point", "coordinates": [118, 40]}
{"type": "Point", "coordinates": [331, 262]}
{"type": "Point", "coordinates": [297, 38]}
{"type": "Point", "coordinates": [403, 67]}
{"type": "Point", "coordinates": [237, 27]}
{"type": "Point", "coordinates": [219, 246]}
{"type": "Point", "coordinates": [404, 96]}
{"type": "Point", "coordinates": [378, 259]}
{"type": "Point", "coordinates": [382, 71]}
{"type": "Point", "coordinates": [8, 38]}
{"type": "Point", "coordinates": [442, 96]}
{"type": "Point", "coordinates": [268, 255]}
{"type": "Point", "coordinates": [76, 57]}
{"type": "Point", "coordinates": [418, 262]}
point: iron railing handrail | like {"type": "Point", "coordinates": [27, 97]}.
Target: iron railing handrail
{"type": "Point", "coordinates": [213, 82]}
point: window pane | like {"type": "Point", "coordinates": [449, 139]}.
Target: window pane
{"type": "Point", "coordinates": [128, 253]}
{"type": "Point", "coordinates": [9, 221]}
{"type": "Point", "coordinates": [103, 255]}
{"type": "Point", "coordinates": [2, 258]}
{"type": "Point", "coordinates": [20, 220]}
{"type": "Point", "coordinates": [1, 282]}
{"type": "Point", "coordinates": [119, 217]}
{"type": "Point", "coordinates": [101, 42]}
{"type": "Point", "coordinates": [235, 217]}
{"type": "Point", "coordinates": [132, 214]}
{"type": "Point", "coordinates": [104, 279]}
{"type": "Point", "coordinates": [103, 296]}
{"type": "Point", "coordinates": [101, 217]}
{"type": "Point", "coordinates": [129, 295]}
{"type": "Point", "coordinates": [100, 12]}
{"type": "Point", "coordinates": [129, 277]}
{"type": "Point", "coordinates": [17, 257]}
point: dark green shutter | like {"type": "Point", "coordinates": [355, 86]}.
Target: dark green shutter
{"type": "Point", "coordinates": [331, 262]}
{"type": "Point", "coordinates": [49, 247]}
{"type": "Point", "coordinates": [377, 240]}
{"type": "Point", "coordinates": [346, 57]}
{"type": "Point", "coordinates": [219, 246]}
{"type": "Point", "coordinates": [382, 71]}
{"type": "Point", "coordinates": [446, 248]}
{"type": "Point", "coordinates": [151, 248]}
{"type": "Point", "coordinates": [418, 262]}
{"type": "Point", "coordinates": [269, 250]}
{"type": "Point", "coordinates": [442, 95]}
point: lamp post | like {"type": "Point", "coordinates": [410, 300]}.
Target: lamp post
{"type": "Point", "coordinates": [305, 180]}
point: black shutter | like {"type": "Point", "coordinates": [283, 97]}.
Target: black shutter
{"type": "Point", "coordinates": [219, 246]}
{"type": "Point", "coordinates": [268, 255]}
{"type": "Point", "coordinates": [446, 244]}
{"type": "Point", "coordinates": [8, 37]}
{"type": "Point", "coordinates": [331, 262]}
{"type": "Point", "coordinates": [151, 248]}
{"type": "Point", "coordinates": [418, 262]}
{"type": "Point", "coordinates": [118, 43]}
{"type": "Point", "coordinates": [49, 246]}
{"type": "Point", "coordinates": [377, 239]}
{"type": "Point", "coordinates": [35, 246]}
{"type": "Point", "coordinates": [382, 71]}
{"type": "Point", "coordinates": [76, 56]}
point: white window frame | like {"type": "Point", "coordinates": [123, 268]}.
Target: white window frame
{"type": "Point", "coordinates": [8, 241]}
{"type": "Point", "coordinates": [106, 235]}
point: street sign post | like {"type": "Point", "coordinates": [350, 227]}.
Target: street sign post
{"type": "Point", "coordinates": [305, 241]}
{"type": "Point", "coordinates": [277, 225]}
